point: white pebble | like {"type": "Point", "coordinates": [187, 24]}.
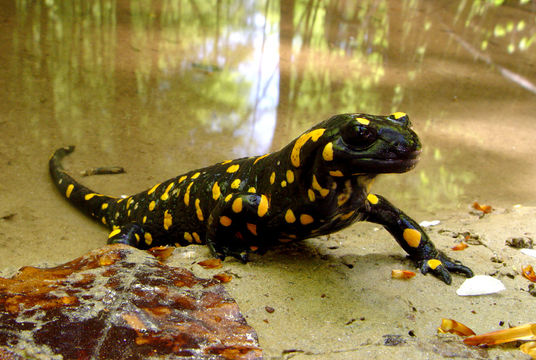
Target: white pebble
{"type": "Point", "coordinates": [429, 223]}
{"type": "Point", "coordinates": [529, 252]}
{"type": "Point", "coordinates": [480, 285]}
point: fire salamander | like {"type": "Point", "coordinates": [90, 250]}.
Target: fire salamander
{"type": "Point", "coordinates": [316, 185]}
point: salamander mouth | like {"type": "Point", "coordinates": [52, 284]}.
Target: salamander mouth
{"type": "Point", "coordinates": [396, 164]}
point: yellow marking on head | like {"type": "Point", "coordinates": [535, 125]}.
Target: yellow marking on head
{"type": "Point", "coordinates": [311, 195]}
{"type": "Point", "coordinates": [283, 183]}
{"type": "Point", "coordinates": [103, 220]}
{"type": "Point", "coordinates": [198, 210]}
{"type": "Point", "coordinates": [113, 233]}
{"type": "Point", "coordinates": [347, 215]}
{"type": "Point", "coordinates": [289, 216]}
{"type": "Point", "coordinates": [412, 237]}
{"type": "Point", "coordinates": [148, 238]}
{"type": "Point", "coordinates": [182, 178]}
{"type": "Point", "coordinates": [196, 175]}
{"type": "Point", "coordinates": [316, 186]}
{"type": "Point", "coordinates": [252, 190]}
{"type": "Point", "coordinates": [153, 189]}
{"type": "Point", "coordinates": [69, 190]}
{"type": "Point", "coordinates": [228, 197]}
{"type": "Point", "coordinates": [187, 195]}
{"type": "Point", "coordinates": [272, 177]}
{"type": "Point", "coordinates": [290, 176]}
{"type": "Point", "coordinates": [165, 195]}
{"type": "Point", "coordinates": [196, 237]}
{"type": "Point", "coordinates": [144, 220]}
{"type": "Point", "coordinates": [216, 191]}
{"type": "Point", "coordinates": [252, 228]}
{"type": "Point", "coordinates": [152, 205]}
{"type": "Point", "coordinates": [188, 237]}
{"type": "Point", "coordinates": [336, 173]}
{"type": "Point", "coordinates": [225, 221]}
{"type": "Point", "coordinates": [260, 157]}
{"type": "Point", "coordinates": [237, 205]}
{"type": "Point", "coordinates": [362, 121]}
{"type": "Point", "coordinates": [168, 220]}
{"type": "Point", "coordinates": [226, 162]}
{"type": "Point", "coordinates": [327, 153]}
{"type": "Point", "coordinates": [235, 184]}
{"type": "Point", "coordinates": [397, 115]}
{"type": "Point", "coordinates": [306, 219]}
{"type": "Point", "coordinates": [263, 206]}
{"type": "Point", "coordinates": [104, 206]}
{"type": "Point", "coordinates": [373, 199]}
{"type": "Point", "coordinates": [314, 135]}
{"type": "Point", "coordinates": [434, 263]}
{"type": "Point", "coordinates": [233, 168]}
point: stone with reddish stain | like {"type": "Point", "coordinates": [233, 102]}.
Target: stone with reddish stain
{"type": "Point", "coordinates": [120, 303]}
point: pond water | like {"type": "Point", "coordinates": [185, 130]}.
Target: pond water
{"type": "Point", "coordinates": [161, 87]}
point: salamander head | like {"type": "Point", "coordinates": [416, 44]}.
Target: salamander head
{"type": "Point", "coordinates": [368, 144]}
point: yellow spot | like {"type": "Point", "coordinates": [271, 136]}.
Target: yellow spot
{"type": "Point", "coordinates": [165, 195]}
{"type": "Point", "coordinates": [347, 215]}
{"type": "Point", "coordinates": [196, 237]}
{"type": "Point", "coordinates": [397, 115]}
{"type": "Point", "coordinates": [327, 153]}
{"type": "Point", "coordinates": [283, 183]}
{"type": "Point", "coordinates": [289, 216]}
{"type": "Point", "coordinates": [144, 219]}
{"type": "Point", "coordinates": [90, 196]}
{"type": "Point", "coordinates": [228, 197]}
{"type": "Point", "coordinates": [311, 195]}
{"type": "Point", "coordinates": [433, 263]}
{"type": "Point", "coordinates": [120, 200]}
{"type": "Point", "coordinates": [252, 190]}
{"type": "Point", "coordinates": [306, 219]}
{"type": "Point", "coordinates": [346, 193]}
{"type": "Point", "coordinates": [233, 168]}
{"type": "Point", "coordinates": [316, 186]}
{"type": "Point", "coordinates": [295, 154]}
{"type": "Point", "coordinates": [104, 206]}
{"type": "Point", "coordinates": [226, 162]}
{"type": "Point", "coordinates": [336, 173]}
{"type": "Point", "coordinates": [253, 248]}
{"type": "Point", "coordinates": [237, 205]}
{"type": "Point", "coordinates": [198, 210]}
{"type": "Point", "coordinates": [69, 190]}
{"type": "Point", "coordinates": [272, 178]}
{"type": "Point", "coordinates": [128, 213]}
{"type": "Point", "coordinates": [153, 189]}
{"type": "Point", "coordinates": [113, 233]}
{"type": "Point", "coordinates": [182, 178]}
{"type": "Point", "coordinates": [187, 195]}
{"type": "Point", "coordinates": [235, 184]}
{"type": "Point", "coordinates": [152, 205]}
{"type": "Point", "coordinates": [137, 237]}
{"type": "Point", "coordinates": [148, 238]}
{"type": "Point", "coordinates": [290, 176]}
{"type": "Point", "coordinates": [129, 202]}
{"type": "Point", "coordinates": [188, 237]}
{"type": "Point", "coordinates": [259, 158]}
{"type": "Point", "coordinates": [412, 237]}
{"type": "Point", "coordinates": [373, 199]}
{"type": "Point", "coordinates": [363, 121]}
{"type": "Point", "coordinates": [263, 206]}
{"type": "Point", "coordinates": [225, 221]}
{"type": "Point", "coordinates": [168, 220]}
{"type": "Point", "coordinates": [216, 192]}
{"type": "Point", "coordinates": [252, 228]}
{"type": "Point", "coordinates": [196, 175]}
{"type": "Point", "coordinates": [103, 220]}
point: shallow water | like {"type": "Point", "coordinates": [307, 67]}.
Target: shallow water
{"type": "Point", "coordinates": [162, 87]}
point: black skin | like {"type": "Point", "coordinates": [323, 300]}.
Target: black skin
{"type": "Point", "coordinates": [316, 185]}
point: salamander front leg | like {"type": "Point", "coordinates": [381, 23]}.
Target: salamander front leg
{"type": "Point", "coordinates": [413, 240]}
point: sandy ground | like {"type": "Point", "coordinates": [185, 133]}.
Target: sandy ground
{"type": "Point", "coordinates": [333, 298]}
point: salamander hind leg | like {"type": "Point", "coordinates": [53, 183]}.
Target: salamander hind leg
{"type": "Point", "coordinates": [236, 227]}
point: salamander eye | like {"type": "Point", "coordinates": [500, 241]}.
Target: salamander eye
{"type": "Point", "coordinates": [359, 136]}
